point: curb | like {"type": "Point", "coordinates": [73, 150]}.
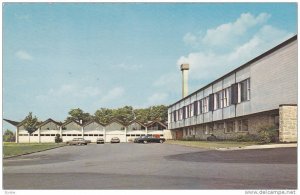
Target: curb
{"type": "Point", "coordinates": [291, 145]}
{"type": "Point", "coordinates": [7, 157]}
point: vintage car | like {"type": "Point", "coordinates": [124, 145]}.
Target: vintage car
{"type": "Point", "coordinates": [100, 141]}
{"type": "Point", "coordinates": [148, 138]}
{"type": "Point", "coordinates": [115, 140]}
{"type": "Point", "coordinates": [77, 141]}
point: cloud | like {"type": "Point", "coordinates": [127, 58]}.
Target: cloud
{"type": "Point", "coordinates": [168, 80]}
{"type": "Point", "coordinates": [23, 55]}
{"type": "Point", "coordinates": [69, 93]}
{"type": "Point", "coordinates": [225, 35]}
{"type": "Point", "coordinates": [112, 94]}
{"type": "Point", "coordinates": [210, 63]}
{"type": "Point", "coordinates": [157, 98]}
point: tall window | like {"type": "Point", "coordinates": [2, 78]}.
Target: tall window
{"type": "Point", "coordinates": [205, 104]}
{"type": "Point", "coordinates": [200, 107]}
{"type": "Point", "coordinates": [218, 100]}
{"type": "Point", "coordinates": [226, 97]}
{"type": "Point", "coordinates": [180, 114]}
{"type": "Point", "coordinates": [244, 90]}
{"type": "Point", "coordinates": [191, 110]}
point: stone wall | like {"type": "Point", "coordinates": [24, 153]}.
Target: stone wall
{"type": "Point", "coordinates": [288, 123]}
{"type": "Point", "coordinates": [255, 122]}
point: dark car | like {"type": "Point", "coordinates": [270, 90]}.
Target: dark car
{"type": "Point", "coordinates": [100, 141]}
{"type": "Point", "coordinates": [115, 140]}
{"type": "Point", "coordinates": [148, 139]}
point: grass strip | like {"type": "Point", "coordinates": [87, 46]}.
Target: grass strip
{"type": "Point", "coordinates": [211, 144]}
{"type": "Point", "coordinates": [14, 149]}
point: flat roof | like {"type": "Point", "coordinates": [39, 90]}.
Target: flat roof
{"type": "Point", "coordinates": [288, 41]}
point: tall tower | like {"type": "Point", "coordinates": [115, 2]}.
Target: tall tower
{"type": "Point", "coordinates": [185, 70]}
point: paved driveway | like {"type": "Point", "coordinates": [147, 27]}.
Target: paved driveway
{"type": "Point", "coordinates": [151, 166]}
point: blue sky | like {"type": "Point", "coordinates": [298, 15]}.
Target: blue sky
{"type": "Point", "coordinates": [58, 56]}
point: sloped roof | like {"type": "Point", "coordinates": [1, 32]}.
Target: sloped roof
{"type": "Point", "coordinates": [69, 121]}
{"type": "Point", "coordinates": [159, 122]}
{"type": "Point", "coordinates": [50, 120]}
{"type": "Point", "coordinates": [115, 120]}
{"type": "Point", "coordinates": [136, 121]}
{"type": "Point", "coordinates": [92, 121]}
{"type": "Point", "coordinates": [14, 123]}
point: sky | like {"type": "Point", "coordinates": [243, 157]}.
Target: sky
{"type": "Point", "coordinates": [59, 56]}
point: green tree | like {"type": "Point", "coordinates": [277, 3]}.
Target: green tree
{"type": "Point", "coordinates": [78, 115]}
{"type": "Point", "coordinates": [9, 136]}
{"type": "Point", "coordinates": [125, 114]}
{"type": "Point", "coordinates": [104, 115]}
{"type": "Point", "coordinates": [159, 112]}
{"type": "Point", "coordinates": [30, 124]}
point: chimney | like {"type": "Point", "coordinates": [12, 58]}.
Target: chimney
{"type": "Point", "coordinates": [185, 70]}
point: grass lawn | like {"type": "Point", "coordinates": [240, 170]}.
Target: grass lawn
{"type": "Point", "coordinates": [11, 149]}
{"type": "Point", "coordinates": [211, 144]}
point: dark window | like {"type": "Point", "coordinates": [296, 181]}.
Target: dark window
{"type": "Point", "coordinates": [196, 108]}
{"type": "Point", "coordinates": [47, 134]}
{"type": "Point", "coordinates": [220, 126]}
{"type": "Point", "coordinates": [243, 125]}
{"type": "Point", "coordinates": [95, 134]}
{"type": "Point", "coordinates": [211, 102]}
{"type": "Point", "coordinates": [86, 134]}
{"type": "Point", "coordinates": [127, 135]}
{"type": "Point", "coordinates": [161, 135]}
{"type": "Point", "coordinates": [234, 93]}
{"type": "Point", "coordinates": [200, 107]}
{"type": "Point", "coordinates": [229, 126]}
{"type": "Point", "coordinates": [174, 115]}
{"type": "Point", "coordinates": [64, 134]}
{"type": "Point", "coordinates": [52, 134]}
{"type": "Point", "coordinates": [100, 134]}
{"type": "Point", "coordinates": [184, 112]}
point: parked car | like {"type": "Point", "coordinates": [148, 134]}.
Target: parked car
{"type": "Point", "coordinates": [148, 138]}
{"type": "Point", "coordinates": [77, 141]}
{"type": "Point", "coordinates": [100, 141]}
{"type": "Point", "coordinates": [115, 140]}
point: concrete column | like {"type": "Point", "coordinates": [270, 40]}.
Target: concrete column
{"type": "Point", "coordinates": [125, 134]}
{"type": "Point", "coordinates": [39, 135]}
{"type": "Point", "coordinates": [82, 132]}
{"type": "Point", "coordinates": [17, 135]}
{"type": "Point", "coordinates": [184, 70]}
{"type": "Point", "coordinates": [146, 131]}
{"type": "Point", "coordinates": [104, 134]}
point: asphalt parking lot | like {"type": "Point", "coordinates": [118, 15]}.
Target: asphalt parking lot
{"type": "Point", "coordinates": [151, 166]}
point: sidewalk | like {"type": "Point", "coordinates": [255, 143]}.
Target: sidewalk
{"type": "Point", "coordinates": [281, 145]}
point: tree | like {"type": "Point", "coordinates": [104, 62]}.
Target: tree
{"type": "Point", "coordinates": [9, 136]}
{"type": "Point", "coordinates": [79, 116]}
{"type": "Point", "coordinates": [125, 114]}
{"type": "Point", "coordinates": [30, 124]}
{"type": "Point", "coordinates": [104, 115]}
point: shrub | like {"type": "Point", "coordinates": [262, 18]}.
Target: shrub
{"type": "Point", "coordinates": [58, 139]}
{"type": "Point", "coordinates": [268, 134]}
{"type": "Point", "coordinates": [247, 138]}
{"type": "Point", "coordinates": [212, 137]}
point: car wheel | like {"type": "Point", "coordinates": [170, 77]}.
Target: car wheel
{"type": "Point", "coordinates": [145, 141]}
{"type": "Point", "coordinates": [161, 141]}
